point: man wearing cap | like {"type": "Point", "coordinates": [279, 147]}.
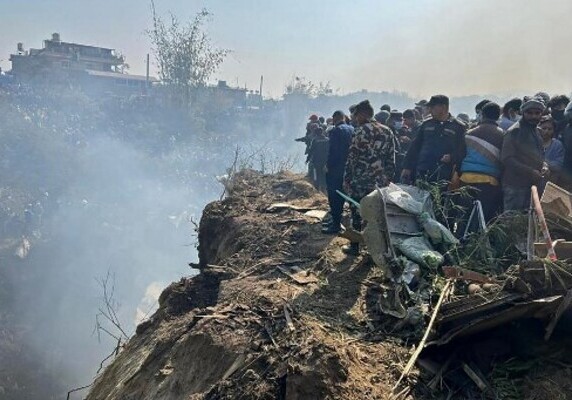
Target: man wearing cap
{"type": "Point", "coordinates": [318, 156]}
{"type": "Point", "coordinates": [311, 127]}
{"type": "Point", "coordinates": [340, 140]}
{"type": "Point", "coordinates": [312, 130]}
{"type": "Point", "coordinates": [439, 146]}
{"type": "Point", "coordinates": [383, 117]}
{"type": "Point", "coordinates": [523, 158]}
{"type": "Point", "coordinates": [371, 161]}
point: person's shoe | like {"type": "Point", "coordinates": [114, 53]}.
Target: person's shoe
{"type": "Point", "coordinates": [351, 249]}
{"type": "Point", "coordinates": [331, 230]}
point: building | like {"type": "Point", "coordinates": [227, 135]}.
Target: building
{"type": "Point", "coordinates": [57, 55]}
{"type": "Point", "coordinates": [96, 68]}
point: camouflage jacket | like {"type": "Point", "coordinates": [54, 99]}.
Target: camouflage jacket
{"type": "Point", "coordinates": [371, 159]}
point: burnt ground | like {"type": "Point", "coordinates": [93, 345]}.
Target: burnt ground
{"type": "Point", "coordinates": [279, 312]}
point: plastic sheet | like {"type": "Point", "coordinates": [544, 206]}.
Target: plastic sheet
{"type": "Point", "coordinates": [419, 250]}
{"type": "Point", "coordinates": [436, 231]}
{"type": "Point", "coordinates": [403, 200]}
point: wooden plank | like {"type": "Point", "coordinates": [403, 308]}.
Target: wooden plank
{"type": "Point", "coordinates": [444, 293]}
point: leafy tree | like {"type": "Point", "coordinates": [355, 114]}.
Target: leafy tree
{"type": "Point", "coordinates": [184, 53]}
{"type": "Point", "coordinates": [301, 86]}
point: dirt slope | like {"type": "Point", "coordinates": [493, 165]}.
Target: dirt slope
{"type": "Point", "coordinates": [277, 312]}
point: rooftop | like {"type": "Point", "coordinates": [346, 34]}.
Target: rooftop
{"type": "Point", "coordinates": [120, 76]}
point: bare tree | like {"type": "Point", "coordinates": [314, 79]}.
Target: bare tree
{"type": "Point", "coordinates": [106, 320]}
{"type": "Point", "coordinates": [184, 53]}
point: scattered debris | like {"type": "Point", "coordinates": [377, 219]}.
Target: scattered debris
{"type": "Point", "coordinates": [278, 311]}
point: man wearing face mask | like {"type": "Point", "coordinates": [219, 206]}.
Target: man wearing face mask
{"type": "Point", "coordinates": [557, 106]}
{"type": "Point", "coordinates": [439, 146]}
{"type": "Point", "coordinates": [510, 113]}
{"type": "Point", "coordinates": [522, 156]}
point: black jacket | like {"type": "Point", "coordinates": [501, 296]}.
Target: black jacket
{"type": "Point", "coordinates": [433, 140]}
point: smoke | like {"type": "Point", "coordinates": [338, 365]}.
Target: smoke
{"type": "Point", "coordinates": [473, 47]}
{"type": "Point", "coordinates": [149, 301]}
{"type": "Point", "coordinates": [119, 194]}
{"type": "Point", "coordinates": [121, 214]}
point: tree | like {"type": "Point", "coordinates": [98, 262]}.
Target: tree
{"type": "Point", "coordinates": [302, 86]}
{"type": "Point", "coordinates": [184, 53]}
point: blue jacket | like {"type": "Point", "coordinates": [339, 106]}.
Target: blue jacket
{"type": "Point", "coordinates": [554, 155]}
{"type": "Point", "coordinates": [484, 145]}
{"type": "Point", "coordinates": [340, 140]}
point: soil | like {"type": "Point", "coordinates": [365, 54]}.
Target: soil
{"type": "Point", "coordinates": [278, 311]}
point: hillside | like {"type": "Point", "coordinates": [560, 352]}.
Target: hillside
{"type": "Point", "coordinates": [276, 312]}
{"type": "Point", "coordinates": [279, 312]}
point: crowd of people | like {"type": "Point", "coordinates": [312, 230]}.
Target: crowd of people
{"type": "Point", "coordinates": [497, 156]}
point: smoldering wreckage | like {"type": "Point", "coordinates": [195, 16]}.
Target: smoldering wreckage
{"type": "Point", "coordinates": [279, 312]}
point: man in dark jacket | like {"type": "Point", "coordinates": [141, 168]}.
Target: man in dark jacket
{"type": "Point", "coordinates": [439, 146]}
{"type": "Point", "coordinates": [404, 137]}
{"type": "Point", "coordinates": [523, 158]}
{"type": "Point", "coordinates": [340, 140]}
{"type": "Point", "coordinates": [557, 106]}
{"type": "Point", "coordinates": [318, 156]}
{"type": "Point", "coordinates": [312, 129]}
{"type": "Point", "coordinates": [481, 169]}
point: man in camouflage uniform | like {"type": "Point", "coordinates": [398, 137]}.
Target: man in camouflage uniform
{"type": "Point", "coordinates": [371, 161]}
{"type": "Point", "coordinates": [312, 130]}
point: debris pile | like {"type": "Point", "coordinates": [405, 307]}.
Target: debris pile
{"type": "Point", "coordinates": [278, 311]}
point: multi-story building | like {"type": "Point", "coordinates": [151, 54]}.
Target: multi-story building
{"type": "Point", "coordinates": [57, 55]}
{"type": "Point", "coordinates": [94, 67]}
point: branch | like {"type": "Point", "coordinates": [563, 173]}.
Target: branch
{"type": "Point", "coordinates": [77, 390]}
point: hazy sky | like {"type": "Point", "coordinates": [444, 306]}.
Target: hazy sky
{"type": "Point", "coordinates": [419, 46]}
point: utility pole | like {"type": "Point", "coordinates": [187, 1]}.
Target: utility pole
{"type": "Point", "coordinates": [261, 84]}
{"type": "Point", "coordinates": [147, 75]}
